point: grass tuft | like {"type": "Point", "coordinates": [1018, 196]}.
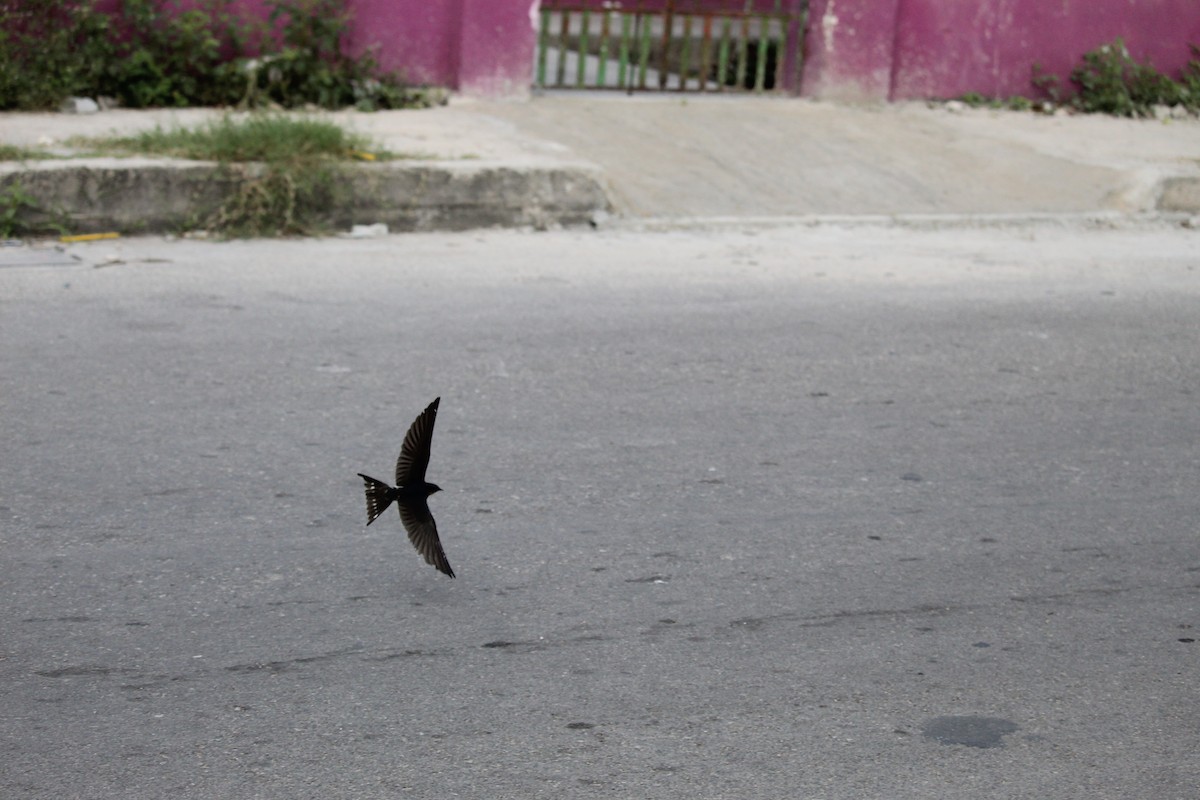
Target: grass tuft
{"type": "Point", "coordinates": [10, 152]}
{"type": "Point", "coordinates": [268, 138]}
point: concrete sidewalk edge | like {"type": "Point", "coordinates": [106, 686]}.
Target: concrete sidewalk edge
{"type": "Point", "coordinates": [143, 196]}
{"type": "Point", "coordinates": [147, 196]}
{"type": "Point", "coordinates": [1083, 220]}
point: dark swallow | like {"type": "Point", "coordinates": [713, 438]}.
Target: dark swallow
{"type": "Point", "coordinates": [411, 491]}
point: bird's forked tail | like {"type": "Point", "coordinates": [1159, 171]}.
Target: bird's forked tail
{"type": "Point", "coordinates": [379, 497]}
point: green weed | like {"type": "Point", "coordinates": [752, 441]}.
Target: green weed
{"type": "Point", "coordinates": [10, 152]}
{"type": "Point", "coordinates": [16, 207]}
{"type": "Point", "coordinates": [163, 54]}
{"type": "Point", "coordinates": [48, 50]}
{"type": "Point", "coordinates": [1015, 103]}
{"type": "Point", "coordinates": [271, 138]}
{"type": "Point", "coordinates": [282, 200]}
{"type": "Point", "coordinates": [1111, 82]}
{"type": "Point", "coordinates": [153, 53]}
{"type": "Point", "coordinates": [1108, 80]}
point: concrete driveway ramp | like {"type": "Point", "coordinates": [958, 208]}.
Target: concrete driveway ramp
{"type": "Point", "coordinates": [703, 156]}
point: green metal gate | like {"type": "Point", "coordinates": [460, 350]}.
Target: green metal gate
{"type": "Point", "coordinates": [671, 45]}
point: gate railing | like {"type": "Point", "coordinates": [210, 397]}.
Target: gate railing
{"type": "Point", "coordinates": [671, 45]}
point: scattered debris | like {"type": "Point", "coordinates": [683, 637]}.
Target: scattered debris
{"type": "Point", "coordinates": [368, 231]}
{"type": "Point", "coordinates": [79, 105]}
{"type": "Point", "coordinates": [88, 237]}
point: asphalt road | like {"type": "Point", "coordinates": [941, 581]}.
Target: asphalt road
{"type": "Point", "coordinates": [833, 512]}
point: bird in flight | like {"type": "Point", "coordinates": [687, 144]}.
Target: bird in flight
{"type": "Point", "coordinates": [411, 491]}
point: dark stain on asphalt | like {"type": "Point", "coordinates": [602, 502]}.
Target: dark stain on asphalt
{"type": "Point", "coordinates": [649, 579]}
{"type": "Point", "coordinates": [971, 731]}
{"type": "Point", "coordinates": [82, 670]}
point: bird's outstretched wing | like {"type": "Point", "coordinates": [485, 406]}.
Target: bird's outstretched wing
{"type": "Point", "coordinates": [414, 453]}
{"type": "Point", "coordinates": [422, 532]}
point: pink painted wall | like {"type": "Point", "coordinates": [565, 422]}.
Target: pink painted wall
{"type": "Point", "coordinates": [905, 49]}
{"type": "Point", "coordinates": [854, 49]}
{"type": "Point", "coordinates": [497, 40]}
{"type": "Point", "coordinates": [414, 38]}
{"type": "Point", "coordinates": [988, 46]}
{"type": "Point", "coordinates": [848, 49]}
{"type": "Point", "coordinates": [475, 46]}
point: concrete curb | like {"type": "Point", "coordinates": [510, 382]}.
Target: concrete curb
{"type": "Point", "coordinates": [1079, 220]}
{"type": "Point", "coordinates": [1180, 194]}
{"type": "Point", "coordinates": [136, 196]}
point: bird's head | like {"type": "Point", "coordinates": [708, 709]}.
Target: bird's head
{"type": "Point", "coordinates": [430, 488]}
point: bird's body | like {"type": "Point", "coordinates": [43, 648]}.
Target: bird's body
{"type": "Point", "coordinates": [411, 492]}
